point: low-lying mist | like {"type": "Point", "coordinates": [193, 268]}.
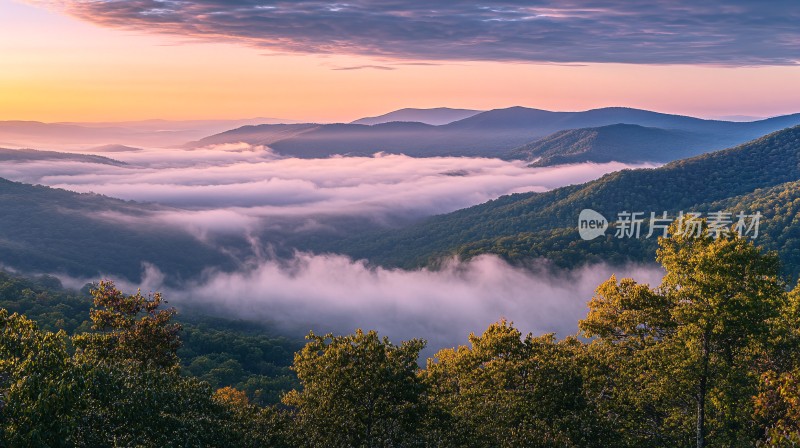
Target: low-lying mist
{"type": "Point", "coordinates": [251, 182]}
{"type": "Point", "coordinates": [247, 191]}
{"type": "Point", "coordinates": [333, 293]}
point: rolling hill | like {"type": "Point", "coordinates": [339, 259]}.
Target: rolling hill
{"type": "Point", "coordinates": [628, 143]}
{"type": "Point", "coordinates": [436, 116]}
{"type": "Point", "coordinates": [88, 236]}
{"type": "Point", "coordinates": [501, 132]}
{"type": "Point", "coordinates": [154, 133]}
{"type": "Point", "coordinates": [29, 155]}
{"type": "Point", "coordinates": [760, 176]}
{"type": "Point", "coordinates": [114, 148]}
{"type": "Point", "coordinates": [55, 231]}
{"type": "Point", "coordinates": [84, 235]}
{"type": "Point", "coordinates": [265, 134]}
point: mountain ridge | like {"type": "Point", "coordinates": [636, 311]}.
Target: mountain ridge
{"type": "Point", "coordinates": [494, 133]}
{"type": "Point", "coordinates": [433, 116]}
{"type": "Point", "coordinates": [28, 155]}
{"type": "Point", "coordinates": [56, 231]}
{"type": "Point", "coordinates": [524, 226]}
{"type": "Point", "coordinates": [627, 143]}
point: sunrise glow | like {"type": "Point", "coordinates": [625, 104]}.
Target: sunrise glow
{"type": "Point", "coordinates": [56, 67]}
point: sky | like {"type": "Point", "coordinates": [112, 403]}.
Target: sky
{"type": "Point", "coordinates": [114, 60]}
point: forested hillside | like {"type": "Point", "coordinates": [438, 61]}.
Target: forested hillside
{"type": "Point", "coordinates": [86, 235]}
{"type": "Point", "coordinates": [619, 142]}
{"type": "Point", "coordinates": [755, 177]}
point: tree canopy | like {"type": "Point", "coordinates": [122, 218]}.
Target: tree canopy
{"type": "Point", "coordinates": [709, 357]}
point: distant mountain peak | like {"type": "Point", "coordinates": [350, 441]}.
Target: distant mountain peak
{"type": "Point", "coordinates": [28, 154]}
{"type": "Point", "coordinates": [114, 148]}
{"type": "Point", "coordinates": [659, 138]}
{"type": "Point", "coordinates": [436, 116]}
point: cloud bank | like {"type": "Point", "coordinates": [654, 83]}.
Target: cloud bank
{"type": "Point", "coordinates": [332, 293]}
{"type": "Point", "coordinates": [246, 192]}
{"type": "Point", "coordinates": [237, 185]}
{"type": "Point", "coordinates": [736, 33]}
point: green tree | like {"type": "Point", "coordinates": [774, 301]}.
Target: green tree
{"type": "Point", "coordinates": [39, 388]}
{"type": "Point", "coordinates": [704, 330]}
{"type": "Point", "coordinates": [256, 426]}
{"type": "Point", "coordinates": [506, 390]}
{"type": "Point", "coordinates": [357, 391]}
{"type": "Point", "coordinates": [131, 327]}
{"type": "Point", "coordinates": [110, 392]}
{"type": "Point", "coordinates": [126, 403]}
{"type": "Point", "coordinates": [778, 401]}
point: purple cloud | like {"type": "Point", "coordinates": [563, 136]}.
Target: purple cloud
{"type": "Point", "coordinates": [736, 33]}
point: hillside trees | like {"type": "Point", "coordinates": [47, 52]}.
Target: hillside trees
{"type": "Point", "coordinates": [700, 340]}
{"type": "Point", "coordinates": [358, 390]}
{"type": "Point", "coordinates": [506, 390]}
{"type": "Point", "coordinates": [121, 387]}
{"type": "Point", "coordinates": [131, 327]}
{"type": "Point", "coordinates": [708, 358]}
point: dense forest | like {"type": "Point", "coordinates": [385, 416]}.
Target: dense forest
{"type": "Point", "coordinates": [247, 356]}
{"type": "Point", "coordinates": [710, 357]}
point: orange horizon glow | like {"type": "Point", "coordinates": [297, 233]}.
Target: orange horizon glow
{"type": "Point", "coordinates": [55, 68]}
